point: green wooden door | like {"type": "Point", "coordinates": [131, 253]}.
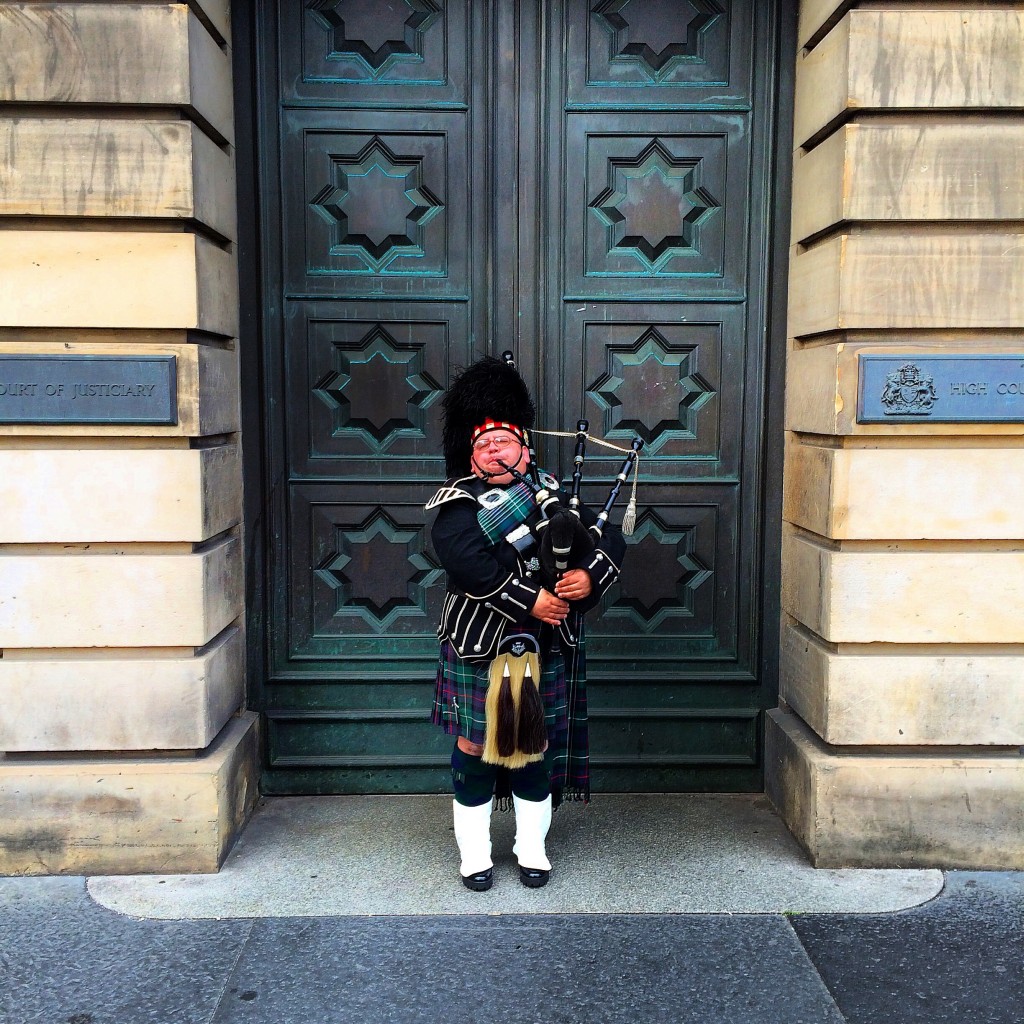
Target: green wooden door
{"type": "Point", "coordinates": [582, 182]}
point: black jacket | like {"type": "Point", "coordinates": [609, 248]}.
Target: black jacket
{"type": "Point", "coordinates": [493, 586]}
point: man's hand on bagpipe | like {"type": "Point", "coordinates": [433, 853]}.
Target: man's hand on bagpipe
{"type": "Point", "coordinates": [575, 585]}
{"type": "Point", "coordinates": [550, 609]}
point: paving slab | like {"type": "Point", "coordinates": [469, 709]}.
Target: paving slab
{"type": "Point", "coordinates": [717, 970]}
{"type": "Point", "coordinates": [958, 959]}
{"type": "Point", "coordinates": [63, 960]}
{"type": "Point", "coordinates": [628, 854]}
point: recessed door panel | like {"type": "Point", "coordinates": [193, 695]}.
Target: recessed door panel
{"type": "Point", "coordinates": [659, 52]}
{"type": "Point", "coordinates": [364, 382]}
{"type": "Point", "coordinates": [674, 380]}
{"type": "Point", "coordinates": [364, 51]}
{"type": "Point", "coordinates": [659, 210]}
{"type": "Point", "coordinates": [381, 208]}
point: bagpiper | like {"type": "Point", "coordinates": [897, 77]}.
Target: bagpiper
{"type": "Point", "coordinates": [523, 567]}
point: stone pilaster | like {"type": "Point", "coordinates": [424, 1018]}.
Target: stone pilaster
{"type": "Point", "coordinates": [121, 577]}
{"type": "Point", "coordinates": [898, 739]}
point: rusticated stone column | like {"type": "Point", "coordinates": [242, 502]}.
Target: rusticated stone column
{"type": "Point", "coordinates": [121, 595]}
{"type": "Point", "coordinates": [902, 690]}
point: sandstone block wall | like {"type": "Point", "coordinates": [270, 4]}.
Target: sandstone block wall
{"type": "Point", "coordinates": [898, 740]}
{"type": "Point", "coordinates": [121, 581]}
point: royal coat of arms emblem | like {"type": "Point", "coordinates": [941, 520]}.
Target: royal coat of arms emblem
{"type": "Point", "coordinates": [908, 392]}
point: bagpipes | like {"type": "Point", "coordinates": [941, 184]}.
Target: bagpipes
{"type": "Point", "coordinates": [515, 730]}
{"type": "Point", "coordinates": [561, 535]}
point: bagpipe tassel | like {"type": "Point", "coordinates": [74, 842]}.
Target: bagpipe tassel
{"type": "Point", "coordinates": [629, 519]}
{"type": "Point", "coordinates": [515, 732]}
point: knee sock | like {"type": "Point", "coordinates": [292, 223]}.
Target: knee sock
{"type": "Point", "coordinates": [531, 782]}
{"type": "Point", "coordinates": [472, 780]}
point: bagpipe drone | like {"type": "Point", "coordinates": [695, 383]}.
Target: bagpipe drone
{"type": "Point", "coordinates": [561, 535]}
{"type": "Point", "coordinates": [515, 733]}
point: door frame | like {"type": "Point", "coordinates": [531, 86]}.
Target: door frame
{"type": "Point", "coordinates": [256, 165]}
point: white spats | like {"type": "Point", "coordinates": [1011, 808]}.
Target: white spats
{"type": "Point", "coordinates": [473, 834]}
{"type": "Point", "coordinates": [533, 819]}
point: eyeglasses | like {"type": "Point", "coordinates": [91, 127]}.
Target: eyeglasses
{"type": "Point", "coordinates": [498, 443]}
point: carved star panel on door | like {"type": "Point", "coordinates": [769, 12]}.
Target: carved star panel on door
{"type": "Point", "coordinates": [658, 39]}
{"type": "Point", "coordinates": [380, 210]}
{"type": "Point", "coordinates": [392, 51]}
{"type": "Point", "coordinates": [377, 390]}
{"type": "Point", "coordinates": [654, 208]}
{"type": "Point", "coordinates": [663, 576]}
{"type": "Point", "coordinates": [373, 35]}
{"type": "Point", "coordinates": [653, 390]}
{"type": "Point", "coordinates": [653, 211]}
{"type": "Point", "coordinates": [367, 572]}
{"type": "Point", "coordinates": [675, 382]}
{"type": "Point", "coordinates": [364, 383]}
{"type": "Point", "coordinates": [377, 206]}
{"type": "Point", "coordinates": [377, 572]}
{"type": "Point", "coordinates": [679, 585]}
{"type": "Point", "coordinates": [669, 52]}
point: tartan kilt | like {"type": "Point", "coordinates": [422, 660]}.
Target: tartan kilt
{"type": "Point", "coordinates": [460, 698]}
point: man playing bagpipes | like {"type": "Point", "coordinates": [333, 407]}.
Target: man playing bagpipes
{"type": "Point", "coordinates": [522, 570]}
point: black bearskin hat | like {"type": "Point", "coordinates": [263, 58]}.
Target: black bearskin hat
{"type": "Point", "coordinates": [487, 389]}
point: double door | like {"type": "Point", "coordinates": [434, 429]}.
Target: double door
{"type": "Point", "coordinates": [589, 185]}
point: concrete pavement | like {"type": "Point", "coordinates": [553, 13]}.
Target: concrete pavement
{"type": "Point", "coordinates": [953, 953]}
{"type": "Point", "coordinates": [621, 854]}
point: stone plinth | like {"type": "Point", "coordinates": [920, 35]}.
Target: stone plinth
{"type": "Point", "coordinates": [68, 816]}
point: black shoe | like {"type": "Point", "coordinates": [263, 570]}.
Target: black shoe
{"type": "Point", "coordinates": [533, 878]}
{"type": "Point", "coordinates": [481, 881]}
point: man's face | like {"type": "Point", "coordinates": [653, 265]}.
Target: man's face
{"type": "Point", "coordinates": [494, 448]}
